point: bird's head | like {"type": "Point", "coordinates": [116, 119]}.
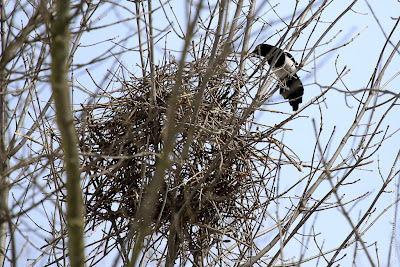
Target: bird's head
{"type": "Point", "coordinates": [262, 50]}
{"type": "Point", "coordinates": [270, 52]}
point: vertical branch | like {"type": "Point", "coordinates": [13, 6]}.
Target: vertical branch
{"type": "Point", "coordinates": [4, 162]}
{"type": "Point", "coordinates": [250, 20]}
{"type": "Point", "coordinates": [227, 7]}
{"type": "Point", "coordinates": [235, 20]}
{"type": "Point", "coordinates": [153, 92]}
{"type": "Point", "coordinates": [151, 52]}
{"type": "Point", "coordinates": [139, 26]}
{"type": "Point", "coordinates": [59, 54]}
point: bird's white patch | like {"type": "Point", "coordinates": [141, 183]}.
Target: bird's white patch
{"type": "Point", "coordinates": [289, 67]}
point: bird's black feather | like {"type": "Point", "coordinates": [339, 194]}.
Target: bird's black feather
{"type": "Point", "coordinates": [284, 67]}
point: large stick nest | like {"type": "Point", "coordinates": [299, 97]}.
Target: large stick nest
{"type": "Point", "coordinates": [121, 140]}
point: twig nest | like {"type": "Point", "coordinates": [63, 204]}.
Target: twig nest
{"type": "Point", "coordinates": [122, 137]}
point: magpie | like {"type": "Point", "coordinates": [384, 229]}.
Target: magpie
{"type": "Point", "coordinates": [289, 84]}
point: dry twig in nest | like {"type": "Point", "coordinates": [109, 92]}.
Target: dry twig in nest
{"type": "Point", "coordinates": [121, 140]}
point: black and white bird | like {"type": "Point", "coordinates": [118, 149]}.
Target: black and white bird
{"type": "Point", "coordinates": [284, 67]}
